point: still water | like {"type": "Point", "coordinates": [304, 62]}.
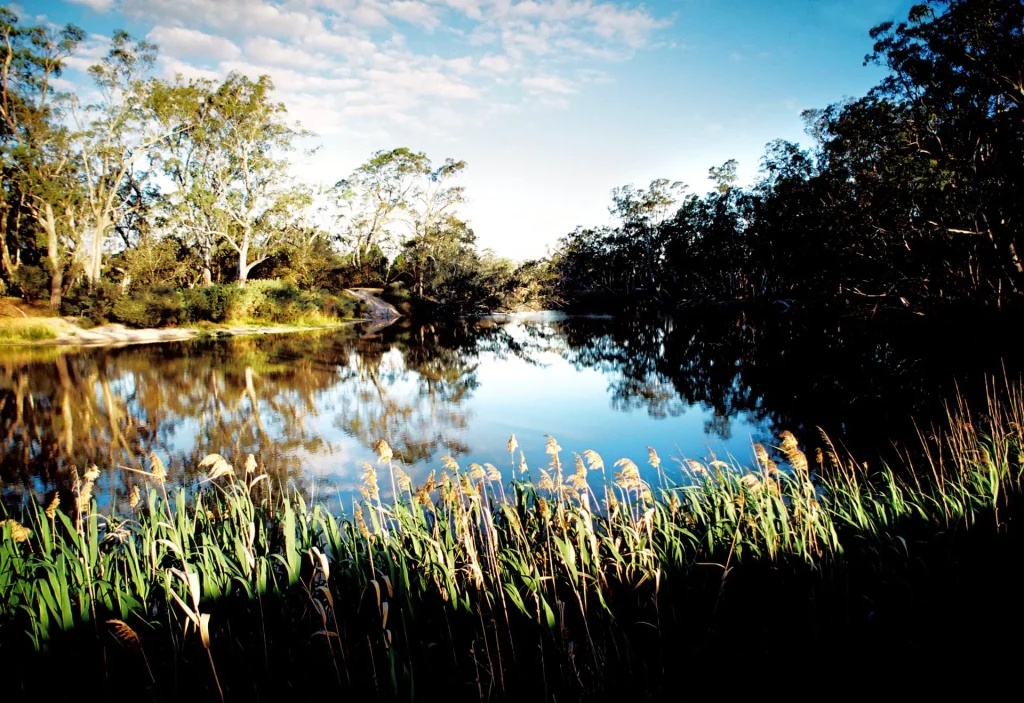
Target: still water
{"type": "Point", "coordinates": [310, 406]}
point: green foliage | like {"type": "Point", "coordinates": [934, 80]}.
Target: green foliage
{"type": "Point", "coordinates": [159, 306]}
{"type": "Point", "coordinates": [310, 262]}
{"type": "Point", "coordinates": [95, 304]}
{"type": "Point", "coordinates": [33, 283]}
{"type": "Point", "coordinates": [907, 198]}
{"type": "Point", "coordinates": [212, 303]}
{"type": "Point", "coordinates": [258, 302]}
{"type": "Point", "coordinates": [277, 302]}
{"type": "Point", "coordinates": [161, 262]}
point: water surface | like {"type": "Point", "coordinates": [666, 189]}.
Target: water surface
{"type": "Point", "coordinates": [310, 406]}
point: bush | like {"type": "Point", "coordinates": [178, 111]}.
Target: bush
{"type": "Point", "coordinates": [159, 306]}
{"type": "Point", "coordinates": [132, 312]}
{"type": "Point", "coordinates": [399, 295]}
{"type": "Point", "coordinates": [210, 304]}
{"type": "Point", "coordinates": [95, 305]}
{"type": "Point", "coordinates": [282, 303]}
{"type": "Point", "coordinates": [260, 301]}
{"type": "Point", "coordinates": [33, 284]}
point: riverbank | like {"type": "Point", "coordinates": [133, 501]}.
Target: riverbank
{"type": "Point", "coordinates": [579, 581]}
{"type": "Point", "coordinates": [64, 332]}
{"type": "Point", "coordinates": [39, 330]}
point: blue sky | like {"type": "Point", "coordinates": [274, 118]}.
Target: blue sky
{"type": "Point", "coordinates": [551, 102]}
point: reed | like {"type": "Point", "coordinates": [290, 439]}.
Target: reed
{"type": "Point", "coordinates": [466, 580]}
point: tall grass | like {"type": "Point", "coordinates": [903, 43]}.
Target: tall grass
{"type": "Point", "coordinates": [15, 330]}
{"type": "Point", "coordinates": [466, 581]}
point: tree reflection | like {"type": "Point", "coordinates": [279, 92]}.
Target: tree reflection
{"type": "Point", "coordinates": [860, 381]}
{"type": "Point", "coordinates": [258, 395]}
{"type": "Point", "coordinates": [285, 398]}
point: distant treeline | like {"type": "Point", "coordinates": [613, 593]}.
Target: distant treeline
{"type": "Point", "coordinates": [908, 197]}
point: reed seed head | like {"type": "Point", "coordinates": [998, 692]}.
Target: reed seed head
{"type": "Point", "coordinates": [53, 507]}
{"type": "Point", "coordinates": [19, 533]}
{"type": "Point", "coordinates": [594, 460]}
{"type": "Point", "coordinates": [383, 449]}
{"type": "Point", "coordinates": [652, 458]}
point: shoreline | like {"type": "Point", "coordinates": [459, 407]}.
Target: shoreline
{"type": "Point", "coordinates": [70, 335]}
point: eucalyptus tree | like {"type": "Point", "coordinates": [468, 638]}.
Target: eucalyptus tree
{"type": "Point", "coordinates": [41, 177]}
{"type": "Point", "coordinates": [116, 136]}
{"type": "Point", "coordinates": [641, 213]}
{"type": "Point", "coordinates": [955, 71]}
{"type": "Point", "coordinates": [189, 205]}
{"type": "Point", "coordinates": [440, 236]}
{"type": "Point", "coordinates": [230, 169]}
{"type": "Point", "coordinates": [377, 199]}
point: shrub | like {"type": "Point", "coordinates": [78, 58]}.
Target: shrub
{"type": "Point", "coordinates": [282, 303]}
{"type": "Point", "coordinates": [95, 305]}
{"type": "Point", "coordinates": [340, 306]}
{"type": "Point", "coordinates": [210, 304]}
{"type": "Point", "coordinates": [159, 306]}
{"type": "Point", "coordinates": [399, 295]}
{"type": "Point", "coordinates": [33, 283]}
{"type": "Point", "coordinates": [132, 312]}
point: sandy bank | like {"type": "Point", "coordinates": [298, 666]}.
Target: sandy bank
{"type": "Point", "coordinates": [65, 332]}
{"type": "Point", "coordinates": [115, 335]}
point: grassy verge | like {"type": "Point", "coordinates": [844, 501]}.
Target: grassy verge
{"type": "Point", "coordinates": [574, 581]}
{"type": "Point", "coordinates": [25, 330]}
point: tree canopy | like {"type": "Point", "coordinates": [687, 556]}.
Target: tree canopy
{"type": "Point", "coordinates": [905, 197]}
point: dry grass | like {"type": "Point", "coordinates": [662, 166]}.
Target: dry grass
{"type": "Point", "coordinates": [16, 330]}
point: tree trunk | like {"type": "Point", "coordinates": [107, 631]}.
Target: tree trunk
{"type": "Point", "coordinates": [207, 265]}
{"type": "Point", "coordinates": [98, 237]}
{"type": "Point", "coordinates": [9, 267]}
{"type": "Point", "coordinates": [53, 257]}
{"type": "Point", "coordinates": [243, 261]}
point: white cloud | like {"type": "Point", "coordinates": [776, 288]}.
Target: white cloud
{"type": "Point", "coordinates": [171, 67]}
{"type": "Point", "coordinates": [97, 5]}
{"type": "Point", "coordinates": [367, 67]}
{"type": "Point", "coordinates": [63, 85]}
{"type": "Point", "coordinates": [423, 82]}
{"type": "Point", "coordinates": [631, 25]}
{"type": "Point", "coordinates": [286, 79]}
{"type": "Point", "coordinates": [414, 12]}
{"type": "Point", "coordinates": [470, 8]}
{"type": "Point", "coordinates": [550, 84]}
{"type": "Point", "coordinates": [350, 46]}
{"type": "Point", "coordinates": [593, 75]}
{"type": "Point", "coordinates": [370, 15]}
{"type": "Point", "coordinates": [462, 65]}
{"type": "Point", "coordinates": [239, 16]}
{"type": "Point", "coordinates": [89, 53]}
{"type": "Point", "coordinates": [271, 51]}
{"type": "Point", "coordinates": [497, 64]}
{"type": "Point", "coordinates": [180, 42]}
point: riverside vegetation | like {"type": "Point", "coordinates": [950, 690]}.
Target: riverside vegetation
{"type": "Point", "coordinates": [904, 199]}
{"type": "Point", "coordinates": [162, 199]}
{"type": "Point", "coordinates": [575, 579]}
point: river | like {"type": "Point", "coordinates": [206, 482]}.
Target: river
{"type": "Point", "coordinates": [309, 406]}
